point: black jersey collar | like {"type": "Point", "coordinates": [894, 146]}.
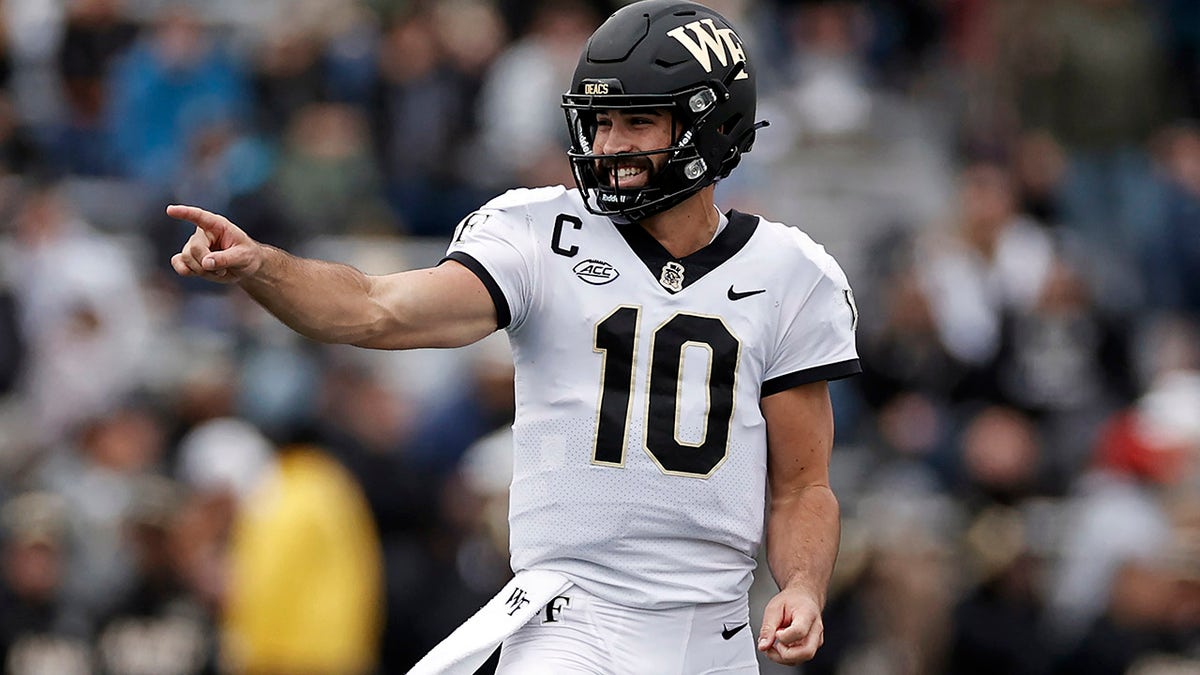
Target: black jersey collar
{"type": "Point", "coordinates": [730, 240]}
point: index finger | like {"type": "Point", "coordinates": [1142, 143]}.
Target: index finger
{"type": "Point", "coordinates": [205, 220]}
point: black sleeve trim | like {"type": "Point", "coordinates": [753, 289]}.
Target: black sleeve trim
{"type": "Point", "coordinates": [503, 315]}
{"type": "Point", "coordinates": [829, 371]}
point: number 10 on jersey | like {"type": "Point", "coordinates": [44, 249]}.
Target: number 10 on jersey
{"type": "Point", "coordinates": [616, 337]}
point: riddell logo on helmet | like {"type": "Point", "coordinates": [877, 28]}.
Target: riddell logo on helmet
{"type": "Point", "coordinates": [707, 40]}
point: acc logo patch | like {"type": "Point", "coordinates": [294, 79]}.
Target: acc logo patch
{"type": "Point", "coordinates": [596, 272]}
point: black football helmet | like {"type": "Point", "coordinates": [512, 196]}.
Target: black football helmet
{"type": "Point", "coordinates": [658, 54]}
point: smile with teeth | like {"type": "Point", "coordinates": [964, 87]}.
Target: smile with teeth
{"type": "Point", "coordinates": [628, 174]}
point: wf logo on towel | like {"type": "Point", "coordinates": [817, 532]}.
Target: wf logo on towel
{"type": "Point", "coordinates": [516, 600]}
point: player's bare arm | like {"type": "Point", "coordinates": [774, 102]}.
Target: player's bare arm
{"type": "Point", "coordinates": [803, 526]}
{"type": "Point", "coordinates": [444, 306]}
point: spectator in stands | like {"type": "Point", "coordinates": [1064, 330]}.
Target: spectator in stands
{"type": "Point", "coordinates": [1067, 361]}
{"type": "Point", "coordinates": [1001, 460]}
{"type": "Point", "coordinates": [521, 129]}
{"type": "Point", "coordinates": [830, 80]}
{"type": "Point", "coordinates": [1119, 511]}
{"type": "Point", "coordinates": [40, 632]}
{"type": "Point", "coordinates": [365, 424]}
{"type": "Point", "coordinates": [97, 33]}
{"type": "Point", "coordinates": [997, 624]}
{"type": "Point", "coordinates": [1093, 73]}
{"type": "Point", "coordinates": [96, 476]}
{"type": "Point", "coordinates": [304, 570]}
{"type": "Point", "coordinates": [1173, 256]}
{"type": "Point", "coordinates": [1152, 615]}
{"type": "Point", "coordinates": [426, 111]}
{"type": "Point", "coordinates": [994, 260]}
{"type": "Point", "coordinates": [174, 80]}
{"type": "Point", "coordinates": [83, 315]}
{"type": "Point", "coordinates": [287, 74]}
{"type": "Point", "coordinates": [158, 626]}
{"type": "Point", "coordinates": [327, 180]}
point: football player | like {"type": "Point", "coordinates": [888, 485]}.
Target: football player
{"type": "Point", "coordinates": [672, 363]}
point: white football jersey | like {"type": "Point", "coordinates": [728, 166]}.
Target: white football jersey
{"type": "Point", "coordinates": [640, 455]}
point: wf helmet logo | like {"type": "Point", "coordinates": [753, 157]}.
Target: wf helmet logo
{"type": "Point", "coordinates": [707, 40]}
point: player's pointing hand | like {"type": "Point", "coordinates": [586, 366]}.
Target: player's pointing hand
{"type": "Point", "coordinates": [218, 250]}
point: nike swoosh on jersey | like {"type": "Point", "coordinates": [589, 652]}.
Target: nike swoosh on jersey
{"type": "Point", "coordinates": [730, 632]}
{"type": "Point", "coordinates": [738, 295]}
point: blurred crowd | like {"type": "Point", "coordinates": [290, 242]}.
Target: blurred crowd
{"type": "Point", "coordinates": [186, 487]}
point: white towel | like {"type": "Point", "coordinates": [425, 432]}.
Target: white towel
{"type": "Point", "coordinates": [470, 645]}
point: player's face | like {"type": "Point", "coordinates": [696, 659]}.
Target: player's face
{"type": "Point", "coordinates": [619, 131]}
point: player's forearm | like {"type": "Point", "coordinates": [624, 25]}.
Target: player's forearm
{"type": "Point", "coordinates": [324, 301]}
{"type": "Point", "coordinates": [803, 532]}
